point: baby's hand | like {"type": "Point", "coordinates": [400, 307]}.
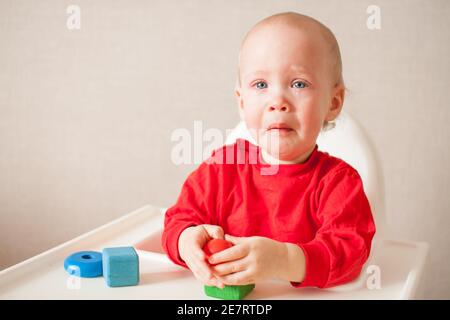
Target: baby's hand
{"type": "Point", "coordinates": [190, 244]}
{"type": "Point", "coordinates": [251, 259]}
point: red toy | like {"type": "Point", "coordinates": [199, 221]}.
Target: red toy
{"type": "Point", "coordinates": [216, 245]}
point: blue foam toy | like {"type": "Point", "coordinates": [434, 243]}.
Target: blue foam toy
{"type": "Point", "coordinates": [85, 264]}
{"type": "Point", "coordinates": [120, 266]}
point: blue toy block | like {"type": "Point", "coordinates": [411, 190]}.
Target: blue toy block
{"type": "Point", "coordinates": [85, 264]}
{"type": "Point", "coordinates": [120, 266]}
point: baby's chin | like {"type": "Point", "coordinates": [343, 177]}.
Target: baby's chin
{"type": "Point", "coordinates": [281, 149]}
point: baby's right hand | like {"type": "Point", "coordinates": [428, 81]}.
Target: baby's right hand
{"type": "Point", "coordinates": [190, 247]}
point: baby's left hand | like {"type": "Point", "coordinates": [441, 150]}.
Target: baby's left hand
{"type": "Point", "coordinates": [251, 259]}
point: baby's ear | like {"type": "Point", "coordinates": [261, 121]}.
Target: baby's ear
{"type": "Point", "coordinates": [237, 93]}
{"type": "Point", "coordinates": [337, 101]}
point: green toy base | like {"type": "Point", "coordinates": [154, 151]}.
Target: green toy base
{"type": "Point", "coordinates": [229, 292]}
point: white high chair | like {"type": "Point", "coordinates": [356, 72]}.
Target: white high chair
{"type": "Point", "coordinates": [400, 262]}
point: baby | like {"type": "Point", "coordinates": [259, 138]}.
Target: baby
{"type": "Point", "coordinates": [308, 223]}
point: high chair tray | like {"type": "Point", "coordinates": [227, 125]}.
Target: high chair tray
{"type": "Point", "coordinates": [44, 277]}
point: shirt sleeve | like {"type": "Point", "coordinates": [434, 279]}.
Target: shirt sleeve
{"type": "Point", "coordinates": [195, 205]}
{"type": "Point", "coordinates": [343, 240]}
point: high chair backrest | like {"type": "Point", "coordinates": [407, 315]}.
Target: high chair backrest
{"type": "Point", "coordinates": [349, 142]}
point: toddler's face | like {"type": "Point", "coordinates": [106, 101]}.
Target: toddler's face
{"type": "Point", "coordinates": [287, 90]}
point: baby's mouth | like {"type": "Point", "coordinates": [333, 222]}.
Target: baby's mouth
{"type": "Point", "coordinates": [280, 128]}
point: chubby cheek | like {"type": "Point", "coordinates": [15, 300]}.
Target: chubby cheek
{"type": "Point", "coordinates": [310, 121]}
{"type": "Point", "coordinates": [253, 115]}
{"type": "Point", "coordinates": [311, 114]}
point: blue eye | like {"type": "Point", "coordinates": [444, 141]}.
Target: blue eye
{"type": "Point", "coordinates": [299, 85]}
{"type": "Point", "coordinates": [261, 85]}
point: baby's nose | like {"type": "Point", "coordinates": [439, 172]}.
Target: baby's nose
{"type": "Point", "coordinates": [279, 107]}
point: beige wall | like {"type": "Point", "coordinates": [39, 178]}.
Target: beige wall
{"type": "Point", "coordinates": [86, 116]}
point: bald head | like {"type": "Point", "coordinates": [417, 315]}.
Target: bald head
{"type": "Point", "coordinates": [307, 28]}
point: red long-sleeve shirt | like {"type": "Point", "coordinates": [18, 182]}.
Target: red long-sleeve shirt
{"type": "Point", "coordinates": [319, 205]}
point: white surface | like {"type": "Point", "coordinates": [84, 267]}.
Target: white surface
{"type": "Point", "coordinates": [44, 277]}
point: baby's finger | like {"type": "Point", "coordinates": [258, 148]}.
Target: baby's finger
{"type": "Point", "coordinates": [198, 253]}
{"type": "Point", "coordinates": [210, 280]}
{"type": "Point", "coordinates": [199, 258]}
{"type": "Point", "coordinates": [238, 278]}
{"type": "Point", "coordinates": [235, 240]}
{"type": "Point", "coordinates": [214, 282]}
{"type": "Point", "coordinates": [195, 271]}
{"type": "Point", "coordinates": [229, 267]}
{"type": "Point", "coordinates": [215, 232]}
{"type": "Point", "coordinates": [201, 268]}
{"type": "Point", "coordinates": [234, 253]}
{"type": "Point", "coordinates": [205, 274]}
